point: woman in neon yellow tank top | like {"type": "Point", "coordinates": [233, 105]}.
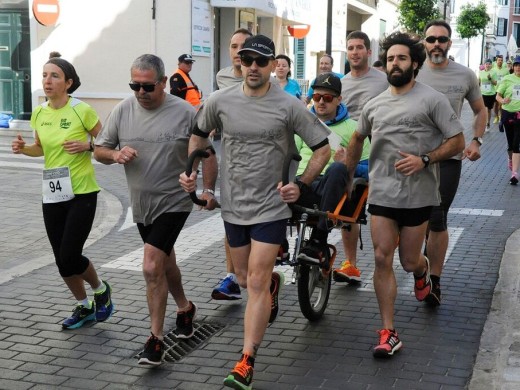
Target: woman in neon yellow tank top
{"type": "Point", "coordinates": [63, 128]}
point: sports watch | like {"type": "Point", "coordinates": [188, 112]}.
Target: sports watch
{"type": "Point", "coordinates": [478, 139]}
{"type": "Point", "coordinates": [425, 159]}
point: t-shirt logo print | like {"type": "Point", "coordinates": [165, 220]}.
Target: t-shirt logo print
{"type": "Point", "coordinates": [64, 124]}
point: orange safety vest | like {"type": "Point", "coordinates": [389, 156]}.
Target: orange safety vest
{"type": "Point", "coordinates": [193, 95]}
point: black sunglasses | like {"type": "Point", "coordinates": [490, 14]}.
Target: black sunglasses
{"type": "Point", "coordinates": [261, 61]}
{"type": "Point", "coordinates": [327, 98]}
{"type": "Point", "coordinates": [146, 87]}
{"type": "Point", "coordinates": [441, 39]}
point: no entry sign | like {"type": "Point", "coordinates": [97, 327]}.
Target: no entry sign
{"type": "Point", "coordinates": [46, 12]}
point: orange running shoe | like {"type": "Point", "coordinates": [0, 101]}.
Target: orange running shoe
{"type": "Point", "coordinates": [347, 273]}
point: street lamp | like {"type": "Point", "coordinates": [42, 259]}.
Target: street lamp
{"type": "Point", "coordinates": [446, 3]}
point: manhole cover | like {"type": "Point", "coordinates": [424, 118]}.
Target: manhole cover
{"type": "Point", "coordinates": [175, 349]}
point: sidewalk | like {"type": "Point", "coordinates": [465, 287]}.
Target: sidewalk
{"type": "Point", "coordinates": [441, 347]}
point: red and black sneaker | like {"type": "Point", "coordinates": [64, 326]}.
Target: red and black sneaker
{"type": "Point", "coordinates": [277, 281]}
{"type": "Point", "coordinates": [389, 343]}
{"type": "Point", "coordinates": [241, 377]}
{"type": "Point", "coordinates": [423, 284]}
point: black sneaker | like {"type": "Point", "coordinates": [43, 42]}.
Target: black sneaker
{"type": "Point", "coordinates": [434, 297]}
{"type": "Point", "coordinates": [184, 323]}
{"type": "Point", "coordinates": [513, 181]}
{"type": "Point", "coordinates": [314, 253]}
{"type": "Point", "coordinates": [153, 352]}
{"type": "Point", "coordinates": [80, 315]}
{"type": "Point", "coordinates": [104, 305]}
{"type": "Point", "coordinates": [277, 281]}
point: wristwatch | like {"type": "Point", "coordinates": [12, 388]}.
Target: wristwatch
{"type": "Point", "coordinates": [425, 159]}
{"type": "Point", "coordinates": [478, 139]}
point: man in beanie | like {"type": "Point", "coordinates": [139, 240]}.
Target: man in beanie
{"type": "Point", "coordinates": [257, 136]}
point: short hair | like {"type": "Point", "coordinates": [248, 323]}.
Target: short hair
{"type": "Point", "coordinates": [328, 56]}
{"type": "Point", "coordinates": [377, 63]}
{"type": "Point", "coordinates": [499, 56]}
{"type": "Point", "coordinates": [412, 41]}
{"type": "Point", "coordinates": [440, 23]}
{"type": "Point", "coordinates": [244, 31]}
{"type": "Point", "coordinates": [284, 57]}
{"type": "Point", "coordinates": [360, 35]}
{"type": "Point", "coordinates": [150, 62]}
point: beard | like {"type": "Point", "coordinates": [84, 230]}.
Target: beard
{"type": "Point", "coordinates": [438, 58]}
{"type": "Point", "coordinates": [398, 80]}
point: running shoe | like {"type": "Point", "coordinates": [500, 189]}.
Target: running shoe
{"type": "Point", "coordinates": [434, 297]}
{"type": "Point", "coordinates": [495, 120]}
{"type": "Point", "coordinates": [104, 305]}
{"type": "Point", "coordinates": [389, 343]}
{"type": "Point", "coordinates": [227, 289]}
{"type": "Point", "coordinates": [80, 315]}
{"type": "Point", "coordinates": [153, 352]}
{"type": "Point", "coordinates": [241, 377]}
{"type": "Point", "coordinates": [423, 284]}
{"type": "Point", "coordinates": [277, 281]}
{"type": "Point", "coordinates": [314, 253]}
{"type": "Point", "coordinates": [513, 181]}
{"type": "Point", "coordinates": [347, 273]}
{"type": "Point", "coordinates": [184, 322]}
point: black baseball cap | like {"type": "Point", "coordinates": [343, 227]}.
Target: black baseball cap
{"type": "Point", "coordinates": [328, 81]}
{"type": "Point", "coordinates": [259, 44]}
{"type": "Point", "coordinates": [186, 58]}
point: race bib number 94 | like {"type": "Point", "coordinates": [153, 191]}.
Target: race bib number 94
{"type": "Point", "coordinates": [56, 185]}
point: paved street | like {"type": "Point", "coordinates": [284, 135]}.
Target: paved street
{"type": "Point", "coordinates": [440, 345]}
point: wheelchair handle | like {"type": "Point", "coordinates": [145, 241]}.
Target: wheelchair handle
{"type": "Point", "coordinates": [198, 153]}
{"type": "Point", "coordinates": [287, 164]}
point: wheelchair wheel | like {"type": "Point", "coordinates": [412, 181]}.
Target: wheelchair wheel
{"type": "Point", "coordinates": [313, 291]}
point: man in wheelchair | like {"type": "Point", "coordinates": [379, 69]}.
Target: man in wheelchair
{"type": "Point", "coordinates": [327, 190]}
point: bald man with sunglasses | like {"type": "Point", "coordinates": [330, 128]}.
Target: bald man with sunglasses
{"type": "Point", "coordinates": [148, 134]}
{"type": "Point", "coordinates": [458, 83]}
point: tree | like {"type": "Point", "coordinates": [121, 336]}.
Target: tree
{"type": "Point", "coordinates": [415, 14]}
{"type": "Point", "coordinates": [472, 22]}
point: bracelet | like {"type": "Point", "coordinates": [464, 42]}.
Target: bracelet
{"type": "Point", "coordinates": [209, 191]}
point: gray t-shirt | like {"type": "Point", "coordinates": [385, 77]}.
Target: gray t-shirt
{"type": "Point", "coordinates": [161, 138]}
{"type": "Point", "coordinates": [257, 135]}
{"type": "Point", "coordinates": [415, 123]}
{"type": "Point", "coordinates": [456, 81]}
{"type": "Point", "coordinates": [357, 91]}
{"type": "Point", "coordinates": [226, 77]}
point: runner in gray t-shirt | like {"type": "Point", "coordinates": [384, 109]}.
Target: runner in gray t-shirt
{"type": "Point", "coordinates": [408, 123]}
{"type": "Point", "coordinates": [360, 85]}
{"type": "Point", "coordinates": [148, 133]}
{"type": "Point", "coordinates": [457, 82]}
{"type": "Point", "coordinates": [258, 122]}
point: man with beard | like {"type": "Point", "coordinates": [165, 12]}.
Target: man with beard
{"type": "Point", "coordinates": [360, 85]}
{"type": "Point", "coordinates": [457, 82]}
{"type": "Point", "coordinates": [408, 123]}
{"type": "Point", "coordinates": [263, 122]}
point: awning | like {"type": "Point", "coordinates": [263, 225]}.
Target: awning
{"type": "Point", "coordinates": [294, 11]}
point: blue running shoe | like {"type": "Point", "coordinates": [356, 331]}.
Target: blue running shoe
{"type": "Point", "coordinates": [104, 305]}
{"type": "Point", "coordinates": [79, 316]}
{"type": "Point", "coordinates": [227, 290]}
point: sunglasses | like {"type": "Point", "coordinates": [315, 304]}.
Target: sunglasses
{"type": "Point", "coordinates": [146, 87]}
{"type": "Point", "coordinates": [327, 98]}
{"type": "Point", "coordinates": [261, 61]}
{"type": "Point", "coordinates": [441, 39]}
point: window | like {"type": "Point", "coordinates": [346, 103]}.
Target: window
{"type": "Point", "coordinates": [516, 33]}
{"type": "Point", "coordinates": [516, 10]}
{"type": "Point", "coordinates": [503, 2]}
{"type": "Point", "coordinates": [299, 58]}
{"type": "Point", "coordinates": [501, 27]}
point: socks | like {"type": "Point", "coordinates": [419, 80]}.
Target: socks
{"type": "Point", "coordinates": [232, 276]}
{"type": "Point", "coordinates": [85, 303]}
{"type": "Point", "coordinates": [101, 288]}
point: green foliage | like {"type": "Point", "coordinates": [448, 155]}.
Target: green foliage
{"type": "Point", "coordinates": [415, 14]}
{"type": "Point", "coordinates": [472, 20]}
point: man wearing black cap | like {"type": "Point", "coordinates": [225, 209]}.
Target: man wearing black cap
{"type": "Point", "coordinates": [182, 85]}
{"type": "Point", "coordinates": [257, 135]}
{"type": "Point", "coordinates": [330, 186]}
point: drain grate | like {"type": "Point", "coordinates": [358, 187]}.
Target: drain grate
{"type": "Point", "coordinates": [175, 349]}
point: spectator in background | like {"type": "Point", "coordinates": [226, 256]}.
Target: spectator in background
{"type": "Point", "coordinates": [182, 85]}
{"type": "Point", "coordinates": [326, 64]}
{"type": "Point", "coordinates": [378, 65]}
{"type": "Point", "coordinates": [283, 74]}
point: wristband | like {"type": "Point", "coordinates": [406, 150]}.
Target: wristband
{"type": "Point", "coordinates": [209, 191]}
